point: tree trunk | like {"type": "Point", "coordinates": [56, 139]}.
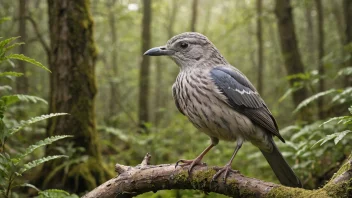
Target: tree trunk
{"type": "Point", "coordinates": [260, 48]}
{"type": "Point", "coordinates": [310, 34]}
{"type": "Point", "coordinates": [290, 52]}
{"type": "Point", "coordinates": [347, 5]}
{"type": "Point", "coordinates": [337, 12]}
{"type": "Point", "coordinates": [194, 15]}
{"type": "Point", "coordinates": [321, 69]}
{"type": "Point", "coordinates": [114, 91]}
{"type": "Point", "coordinates": [73, 90]}
{"type": "Point", "coordinates": [144, 74]}
{"type": "Point", "coordinates": [22, 82]}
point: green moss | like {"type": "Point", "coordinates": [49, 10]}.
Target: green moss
{"type": "Point", "coordinates": [287, 192]}
{"type": "Point", "coordinates": [203, 176]}
{"type": "Point", "coordinates": [181, 177]}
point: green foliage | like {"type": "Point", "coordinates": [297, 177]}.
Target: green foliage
{"type": "Point", "coordinates": [312, 143]}
{"type": "Point", "coordinates": [55, 193]}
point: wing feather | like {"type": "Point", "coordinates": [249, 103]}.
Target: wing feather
{"type": "Point", "coordinates": [244, 98]}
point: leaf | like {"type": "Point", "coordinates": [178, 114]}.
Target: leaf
{"type": "Point", "coordinates": [33, 120]}
{"type": "Point", "coordinates": [341, 135]}
{"type": "Point", "coordinates": [26, 59]}
{"type": "Point", "coordinates": [37, 162]}
{"type": "Point", "coordinates": [39, 144]}
{"type": "Point", "coordinates": [313, 98]}
{"type": "Point", "coordinates": [15, 74]}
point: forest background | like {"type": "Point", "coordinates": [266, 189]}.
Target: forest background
{"type": "Point", "coordinates": [297, 53]}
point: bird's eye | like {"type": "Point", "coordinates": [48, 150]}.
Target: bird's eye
{"type": "Point", "coordinates": [184, 45]}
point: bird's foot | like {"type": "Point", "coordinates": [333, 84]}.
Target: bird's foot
{"type": "Point", "coordinates": [226, 169]}
{"type": "Point", "coordinates": [191, 163]}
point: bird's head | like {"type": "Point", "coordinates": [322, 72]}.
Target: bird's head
{"type": "Point", "coordinates": [188, 49]}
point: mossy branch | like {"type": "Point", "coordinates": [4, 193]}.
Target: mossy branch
{"type": "Point", "coordinates": [133, 181]}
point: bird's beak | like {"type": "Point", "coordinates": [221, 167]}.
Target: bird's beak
{"type": "Point", "coordinates": [158, 51]}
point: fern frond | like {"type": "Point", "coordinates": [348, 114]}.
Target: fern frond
{"type": "Point", "coordinates": [12, 46]}
{"type": "Point", "coordinates": [29, 185]}
{"type": "Point", "coordinates": [313, 98]}
{"type": "Point", "coordinates": [345, 71]}
{"type": "Point", "coordinates": [37, 162]}
{"type": "Point", "coordinates": [39, 144]}
{"type": "Point", "coordinates": [56, 193]}
{"type": "Point", "coordinates": [9, 99]}
{"type": "Point", "coordinates": [345, 94]}
{"type": "Point", "coordinates": [14, 74]}
{"type": "Point", "coordinates": [334, 119]}
{"type": "Point", "coordinates": [26, 59]}
{"type": "Point", "coordinates": [5, 87]}
{"type": "Point", "coordinates": [7, 41]}
{"type": "Point", "coordinates": [33, 120]}
{"type": "Point", "coordinates": [336, 136]}
{"type": "Point", "coordinates": [29, 98]}
{"type": "Point", "coordinates": [341, 135]}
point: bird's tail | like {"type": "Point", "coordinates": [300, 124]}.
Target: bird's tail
{"type": "Point", "coordinates": [280, 167]}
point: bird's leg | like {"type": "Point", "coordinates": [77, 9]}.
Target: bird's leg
{"type": "Point", "coordinates": [197, 161]}
{"type": "Point", "coordinates": [227, 167]}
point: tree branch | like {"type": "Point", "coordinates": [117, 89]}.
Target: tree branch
{"type": "Point", "coordinates": [143, 178]}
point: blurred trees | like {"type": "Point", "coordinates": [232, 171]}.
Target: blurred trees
{"type": "Point", "coordinates": [194, 15]}
{"type": "Point", "coordinates": [347, 5]}
{"type": "Point", "coordinates": [113, 64]}
{"type": "Point", "coordinates": [260, 46]}
{"type": "Point", "coordinates": [73, 90]}
{"type": "Point", "coordinates": [321, 68]}
{"type": "Point", "coordinates": [144, 75]}
{"type": "Point", "coordinates": [290, 51]}
{"type": "Point", "coordinates": [22, 83]}
{"type": "Point", "coordinates": [133, 90]}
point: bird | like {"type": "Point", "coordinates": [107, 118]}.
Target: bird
{"type": "Point", "coordinates": [220, 101]}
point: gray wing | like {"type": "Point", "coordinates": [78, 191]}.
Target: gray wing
{"type": "Point", "coordinates": [244, 98]}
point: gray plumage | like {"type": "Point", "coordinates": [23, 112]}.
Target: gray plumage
{"type": "Point", "coordinates": [221, 102]}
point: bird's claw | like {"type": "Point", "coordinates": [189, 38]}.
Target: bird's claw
{"type": "Point", "coordinates": [192, 163]}
{"type": "Point", "coordinates": [227, 169]}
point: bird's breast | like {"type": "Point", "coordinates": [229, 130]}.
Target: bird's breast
{"type": "Point", "coordinates": [202, 102]}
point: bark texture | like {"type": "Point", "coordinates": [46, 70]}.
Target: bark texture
{"type": "Point", "coordinates": [144, 75]}
{"type": "Point", "coordinates": [290, 52]}
{"type": "Point", "coordinates": [73, 90]}
{"type": "Point", "coordinates": [137, 180]}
